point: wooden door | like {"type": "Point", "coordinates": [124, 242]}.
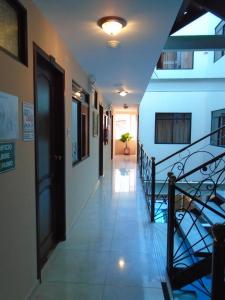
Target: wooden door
{"type": "Point", "coordinates": [49, 120]}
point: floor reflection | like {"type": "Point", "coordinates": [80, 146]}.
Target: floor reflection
{"type": "Point", "coordinates": [125, 181]}
{"type": "Point", "coordinates": [113, 252]}
{"type": "Point", "coordinates": [124, 175]}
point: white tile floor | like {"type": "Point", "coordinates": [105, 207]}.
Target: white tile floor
{"type": "Point", "coordinates": [113, 252]}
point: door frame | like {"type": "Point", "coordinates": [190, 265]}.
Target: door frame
{"type": "Point", "coordinates": [101, 140]}
{"type": "Point", "coordinates": [61, 199]}
{"type": "Point", "coordinates": [112, 137]}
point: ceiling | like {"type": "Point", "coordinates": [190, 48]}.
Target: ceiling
{"type": "Point", "coordinates": [191, 10]}
{"type": "Point", "coordinates": [131, 64]}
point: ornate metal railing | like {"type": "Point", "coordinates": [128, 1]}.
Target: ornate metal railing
{"type": "Point", "coordinates": [196, 243]}
{"type": "Point", "coordinates": [146, 165]}
{"type": "Point", "coordinates": [180, 162]}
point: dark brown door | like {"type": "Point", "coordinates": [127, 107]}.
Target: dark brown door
{"type": "Point", "coordinates": [49, 158]}
{"type": "Point", "coordinates": [101, 137]}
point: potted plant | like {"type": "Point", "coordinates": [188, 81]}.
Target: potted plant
{"type": "Point", "coordinates": [125, 138]}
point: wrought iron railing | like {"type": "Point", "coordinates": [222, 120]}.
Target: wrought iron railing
{"type": "Point", "coordinates": [180, 162]}
{"type": "Point", "coordinates": [196, 243]}
{"type": "Point", "coordinates": [146, 165]}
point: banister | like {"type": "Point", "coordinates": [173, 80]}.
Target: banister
{"type": "Point", "coordinates": [190, 145]}
{"type": "Point", "coordinates": [218, 262]}
{"type": "Point", "coordinates": [201, 166]}
{"type": "Point", "coordinates": [200, 202]}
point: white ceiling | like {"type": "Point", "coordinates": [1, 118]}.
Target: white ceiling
{"type": "Point", "coordinates": [141, 41]}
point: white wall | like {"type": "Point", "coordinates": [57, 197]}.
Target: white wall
{"type": "Point", "coordinates": [173, 96]}
{"type": "Point", "coordinates": [18, 256]}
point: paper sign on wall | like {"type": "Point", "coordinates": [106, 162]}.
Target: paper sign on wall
{"type": "Point", "coordinates": [9, 127]}
{"type": "Point", "coordinates": [28, 121]}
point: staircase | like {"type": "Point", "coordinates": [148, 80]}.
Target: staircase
{"type": "Point", "coordinates": [154, 174]}
{"type": "Point", "coordinates": [195, 212]}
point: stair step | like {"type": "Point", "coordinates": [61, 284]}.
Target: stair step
{"type": "Point", "coordinates": [209, 215]}
{"type": "Point", "coordinates": [198, 237]}
{"type": "Point", "coordinates": [184, 295]}
{"type": "Point", "coordinates": [221, 195]}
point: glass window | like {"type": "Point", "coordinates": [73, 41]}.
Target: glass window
{"type": "Point", "coordinates": [125, 123]}
{"type": "Point", "coordinates": [173, 128]}
{"type": "Point", "coordinates": [96, 100]}
{"type": "Point", "coordinates": [218, 121]}
{"type": "Point", "coordinates": [219, 30]}
{"type": "Point", "coordinates": [75, 131]}
{"type": "Point", "coordinates": [79, 124]}
{"type": "Point", "coordinates": [13, 29]}
{"type": "Point", "coordinates": [171, 60]}
{"type": "Point", "coordinates": [84, 131]}
{"type": "Point", "coordinates": [8, 28]}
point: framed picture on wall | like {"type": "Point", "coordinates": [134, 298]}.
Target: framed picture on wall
{"type": "Point", "coordinates": [95, 123]}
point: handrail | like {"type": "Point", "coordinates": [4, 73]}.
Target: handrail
{"type": "Point", "coordinates": [200, 202]}
{"type": "Point", "coordinates": [188, 146]}
{"type": "Point", "coordinates": [180, 273]}
{"type": "Point", "coordinates": [201, 166]}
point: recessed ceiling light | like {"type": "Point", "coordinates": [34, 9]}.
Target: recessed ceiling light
{"type": "Point", "coordinates": [112, 25]}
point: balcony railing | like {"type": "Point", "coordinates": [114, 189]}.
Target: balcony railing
{"type": "Point", "coordinates": [154, 174]}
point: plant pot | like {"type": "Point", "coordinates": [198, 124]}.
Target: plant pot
{"type": "Point", "coordinates": [126, 151]}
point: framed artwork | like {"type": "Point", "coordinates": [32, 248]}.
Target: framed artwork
{"type": "Point", "coordinates": [95, 123]}
{"type": "Point", "coordinates": [28, 121]}
{"type": "Point", "coordinates": [9, 122]}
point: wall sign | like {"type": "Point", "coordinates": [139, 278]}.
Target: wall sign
{"type": "Point", "coordinates": [28, 121]}
{"type": "Point", "coordinates": [7, 157]}
{"type": "Point", "coordinates": [9, 127]}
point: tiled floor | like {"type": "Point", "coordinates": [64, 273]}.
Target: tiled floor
{"type": "Point", "coordinates": [113, 252]}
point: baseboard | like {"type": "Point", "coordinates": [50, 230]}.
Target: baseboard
{"type": "Point", "coordinates": [37, 283]}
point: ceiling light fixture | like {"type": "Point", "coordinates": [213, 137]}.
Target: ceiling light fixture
{"type": "Point", "coordinates": [112, 25]}
{"type": "Point", "coordinates": [123, 93]}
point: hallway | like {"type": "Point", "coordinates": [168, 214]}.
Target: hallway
{"type": "Point", "coordinates": [112, 252]}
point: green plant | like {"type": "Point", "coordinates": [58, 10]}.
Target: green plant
{"type": "Point", "coordinates": [126, 137]}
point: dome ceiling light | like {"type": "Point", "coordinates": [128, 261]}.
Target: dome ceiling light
{"type": "Point", "coordinates": [123, 93]}
{"type": "Point", "coordinates": [112, 25]}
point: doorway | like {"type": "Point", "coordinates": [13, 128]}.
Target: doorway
{"type": "Point", "coordinates": [49, 154]}
{"type": "Point", "coordinates": [101, 139]}
{"type": "Point", "coordinates": [125, 122]}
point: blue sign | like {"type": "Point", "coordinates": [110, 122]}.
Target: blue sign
{"type": "Point", "coordinates": [7, 157]}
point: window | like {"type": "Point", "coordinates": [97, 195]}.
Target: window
{"type": "Point", "coordinates": [75, 130]}
{"type": "Point", "coordinates": [125, 123]}
{"type": "Point", "coordinates": [13, 29]}
{"type": "Point", "coordinates": [219, 30]}
{"type": "Point", "coordinates": [84, 131]}
{"type": "Point", "coordinates": [96, 100]}
{"type": "Point", "coordinates": [172, 60]}
{"type": "Point", "coordinates": [80, 124]}
{"type": "Point", "coordinates": [173, 128]}
{"type": "Point", "coordinates": [218, 120]}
